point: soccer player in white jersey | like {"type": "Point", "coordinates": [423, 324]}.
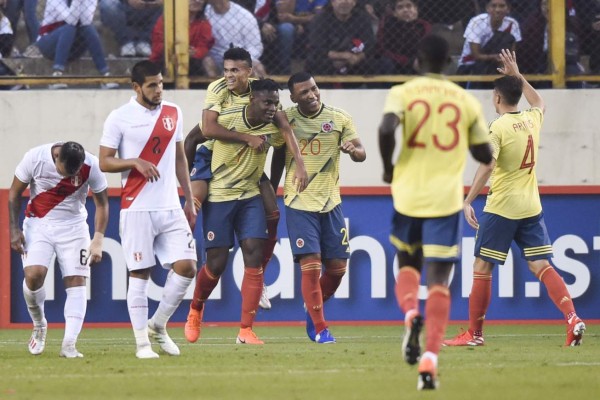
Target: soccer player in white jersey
{"type": "Point", "coordinates": [147, 133]}
{"type": "Point", "coordinates": [59, 176]}
{"type": "Point", "coordinates": [513, 210]}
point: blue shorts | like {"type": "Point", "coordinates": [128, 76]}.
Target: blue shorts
{"type": "Point", "coordinates": [201, 169]}
{"type": "Point", "coordinates": [496, 233]}
{"type": "Point", "coordinates": [244, 217]}
{"type": "Point", "coordinates": [320, 233]}
{"type": "Point", "coordinates": [438, 238]}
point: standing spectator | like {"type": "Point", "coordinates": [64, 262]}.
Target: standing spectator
{"type": "Point", "coordinates": [513, 210]}
{"type": "Point", "coordinates": [67, 31]}
{"type": "Point", "coordinates": [441, 122]}
{"type": "Point", "coordinates": [147, 133]}
{"type": "Point", "coordinates": [7, 38]}
{"type": "Point", "coordinates": [13, 9]}
{"type": "Point", "coordinates": [131, 21]}
{"type": "Point", "coordinates": [316, 226]}
{"type": "Point", "coordinates": [485, 36]}
{"type": "Point", "coordinates": [398, 37]}
{"type": "Point", "coordinates": [341, 40]}
{"type": "Point", "coordinates": [59, 176]}
{"type": "Point", "coordinates": [234, 26]}
{"type": "Point", "coordinates": [289, 29]}
{"type": "Point", "coordinates": [201, 40]}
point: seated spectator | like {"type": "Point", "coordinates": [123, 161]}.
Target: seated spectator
{"type": "Point", "coordinates": [29, 9]}
{"type": "Point", "coordinates": [288, 28]}
{"type": "Point", "coordinates": [234, 26]}
{"type": "Point", "coordinates": [485, 35]}
{"type": "Point", "coordinates": [400, 32]}
{"type": "Point", "coordinates": [588, 12]}
{"type": "Point", "coordinates": [67, 32]}
{"type": "Point", "coordinates": [340, 40]}
{"type": "Point", "coordinates": [533, 49]}
{"type": "Point", "coordinates": [131, 21]}
{"type": "Point", "coordinates": [201, 40]}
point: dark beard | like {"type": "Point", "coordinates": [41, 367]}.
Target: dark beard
{"type": "Point", "coordinates": [150, 102]}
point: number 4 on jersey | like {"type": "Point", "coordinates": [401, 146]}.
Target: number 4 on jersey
{"type": "Point", "coordinates": [529, 157]}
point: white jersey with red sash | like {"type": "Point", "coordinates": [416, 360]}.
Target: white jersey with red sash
{"type": "Point", "coordinates": [52, 196]}
{"type": "Point", "coordinates": [137, 132]}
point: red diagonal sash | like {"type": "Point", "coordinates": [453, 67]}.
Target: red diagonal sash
{"type": "Point", "coordinates": [155, 147]}
{"type": "Point", "coordinates": [44, 202]}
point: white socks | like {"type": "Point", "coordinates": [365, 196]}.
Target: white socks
{"type": "Point", "coordinates": [173, 292]}
{"type": "Point", "coordinates": [75, 307]}
{"type": "Point", "coordinates": [35, 303]}
{"type": "Point", "coordinates": [137, 305]}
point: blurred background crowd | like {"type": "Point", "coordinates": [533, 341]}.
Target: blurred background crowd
{"type": "Point", "coordinates": [324, 37]}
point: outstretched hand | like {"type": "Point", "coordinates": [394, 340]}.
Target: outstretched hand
{"type": "Point", "coordinates": [509, 63]}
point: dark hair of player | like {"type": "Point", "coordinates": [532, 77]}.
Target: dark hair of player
{"type": "Point", "coordinates": [238, 54]}
{"type": "Point", "coordinates": [264, 85]}
{"type": "Point", "coordinates": [73, 156]}
{"type": "Point", "coordinates": [510, 88]}
{"type": "Point", "coordinates": [142, 69]}
{"type": "Point", "coordinates": [298, 77]}
{"type": "Point", "coordinates": [433, 52]}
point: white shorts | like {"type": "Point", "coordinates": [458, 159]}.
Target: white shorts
{"type": "Point", "coordinates": [164, 234]}
{"type": "Point", "coordinates": [70, 243]}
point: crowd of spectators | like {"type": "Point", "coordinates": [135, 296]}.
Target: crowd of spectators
{"type": "Point", "coordinates": [324, 37]}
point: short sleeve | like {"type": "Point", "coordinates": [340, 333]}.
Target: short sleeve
{"type": "Point", "coordinates": [24, 171]}
{"type": "Point", "coordinates": [348, 130]}
{"type": "Point", "coordinates": [97, 178]}
{"type": "Point", "coordinates": [214, 99]}
{"type": "Point", "coordinates": [179, 127]}
{"type": "Point", "coordinates": [111, 134]}
{"type": "Point", "coordinates": [393, 102]}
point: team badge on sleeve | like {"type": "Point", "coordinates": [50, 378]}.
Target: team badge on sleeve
{"type": "Point", "coordinates": [137, 256]}
{"type": "Point", "coordinates": [210, 235]}
{"type": "Point", "coordinates": [299, 243]}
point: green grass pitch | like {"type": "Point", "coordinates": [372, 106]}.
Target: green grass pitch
{"type": "Point", "coordinates": [517, 362]}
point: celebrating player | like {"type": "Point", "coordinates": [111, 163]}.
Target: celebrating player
{"type": "Point", "coordinates": [60, 175]}
{"type": "Point", "coordinates": [147, 133]}
{"type": "Point", "coordinates": [318, 233]}
{"type": "Point", "coordinates": [513, 210]}
{"type": "Point", "coordinates": [441, 121]}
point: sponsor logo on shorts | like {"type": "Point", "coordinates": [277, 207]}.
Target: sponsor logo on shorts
{"type": "Point", "coordinates": [137, 256]}
{"type": "Point", "coordinates": [300, 243]}
{"type": "Point", "coordinates": [210, 235]}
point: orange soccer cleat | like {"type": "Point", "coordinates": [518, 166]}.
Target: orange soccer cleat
{"type": "Point", "coordinates": [247, 336]}
{"type": "Point", "coordinates": [465, 338]}
{"type": "Point", "coordinates": [575, 330]}
{"type": "Point", "coordinates": [192, 325]}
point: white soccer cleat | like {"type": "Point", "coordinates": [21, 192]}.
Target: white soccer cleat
{"type": "Point", "coordinates": [37, 342]}
{"type": "Point", "coordinates": [161, 337]}
{"type": "Point", "coordinates": [264, 302]}
{"type": "Point", "coordinates": [69, 351]}
{"type": "Point", "coordinates": [145, 352]}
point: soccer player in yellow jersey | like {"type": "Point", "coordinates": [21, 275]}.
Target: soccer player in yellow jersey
{"type": "Point", "coordinates": [513, 210]}
{"type": "Point", "coordinates": [441, 123]}
{"type": "Point", "coordinates": [235, 205]}
{"type": "Point", "coordinates": [230, 91]}
{"type": "Point", "coordinates": [318, 234]}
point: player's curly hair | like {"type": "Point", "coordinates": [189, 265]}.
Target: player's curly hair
{"type": "Point", "coordinates": [268, 85]}
{"type": "Point", "coordinates": [298, 77]}
{"type": "Point", "coordinates": [73, 156]}
{"type": "Point", "coordinates": [238, 54]}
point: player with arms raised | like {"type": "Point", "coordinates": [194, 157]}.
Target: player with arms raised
{"type": "Point", "coordinates": [441, 123]}
{"type": "Point", "coordinates": [513, 210]}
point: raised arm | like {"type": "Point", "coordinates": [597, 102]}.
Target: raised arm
{"type": "Point", "coordinates": [17, 240]}
{"type": "Point", "coordinates": [387, 143]}
{"type": "Point", "coordinates": [511, 68]}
